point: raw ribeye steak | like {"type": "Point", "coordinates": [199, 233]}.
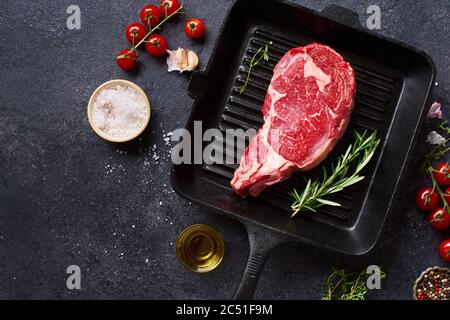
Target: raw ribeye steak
{"type": "Point", "coordinates": [306, 111]}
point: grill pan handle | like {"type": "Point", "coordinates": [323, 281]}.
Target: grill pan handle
{"type": "Point", "coordinates": [262, 241]}
{"type": "Point", "coordinates": [342, 15]}
{"type": "Point", "coordinates": [197, 85]}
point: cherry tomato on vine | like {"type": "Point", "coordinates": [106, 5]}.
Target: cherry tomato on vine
{"type": "Point", "coordinates": [195, 28]}
{"type": "Point", "coordinates": [150, 15]}
{"type": "Point", "coordinates": [427, 199]}
{"type": "Point", "coordinates": [126, 59]}
{"type": "Point", "coordinates": [447, 195]}
{"type": "Point", "coordinates": [442, 174]}
{"type": "Point", "coordinates": [156, 45]}
{"type": "Point", "coordinates": [444, 250]}
{"type": "Point", "coordinates": [135, 32]}
{"type": "Point", "coordinates": [439, 219]}
{"type": "Point", "coordinates": [168, 7]}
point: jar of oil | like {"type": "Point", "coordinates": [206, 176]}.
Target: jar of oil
{"type": "Point", "coordinates": [200, 248]}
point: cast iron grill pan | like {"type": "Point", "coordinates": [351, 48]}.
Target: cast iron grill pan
{"type": "Point", "coordinates": [394, 82]}
{"type": "Point", "coordinates": [376, 97]}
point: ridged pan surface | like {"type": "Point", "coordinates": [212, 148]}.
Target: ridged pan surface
{"type": "Point", "coordinates": [376, 97]}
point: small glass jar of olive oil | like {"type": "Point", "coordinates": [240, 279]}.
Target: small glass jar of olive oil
{"type": "Point", "coordinates": [200, 248]}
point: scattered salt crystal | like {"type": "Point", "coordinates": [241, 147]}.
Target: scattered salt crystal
{"type": "Point", "coordinates": [119, 111]}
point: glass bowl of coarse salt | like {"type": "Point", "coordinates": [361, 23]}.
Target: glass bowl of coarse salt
{"type": "Point", "coordinates": [119, 111]}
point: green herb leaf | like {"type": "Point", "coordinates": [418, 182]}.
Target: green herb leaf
{"type": "Point", "coordinates": [344, 285]}
{"type": "Point", "coordinates": [315, 193]}
{"type": "Point", "coordinates": [438, 151]}
{"type": "Point", "coordinates": [329, 203]}
{"type": "Point", "coordinates": [261, 54]}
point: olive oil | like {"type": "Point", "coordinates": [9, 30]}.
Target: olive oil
{"type": "Point", "coordinates": [200, 248]}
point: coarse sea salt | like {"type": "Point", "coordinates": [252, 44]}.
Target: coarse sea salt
{"type": "Point", "coordinates": [119, 111]}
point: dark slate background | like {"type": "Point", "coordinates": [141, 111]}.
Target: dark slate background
{"type": "Point", "coordinates": [66, 197]}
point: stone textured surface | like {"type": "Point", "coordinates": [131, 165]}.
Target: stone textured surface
{"type": "Point", "coordinates": [67, 197]}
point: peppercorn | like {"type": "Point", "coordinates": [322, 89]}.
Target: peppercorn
{"type": "Point", "coordinates": [434, 285]}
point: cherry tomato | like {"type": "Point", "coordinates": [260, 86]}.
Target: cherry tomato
{"type": "Point", "coordinates": [439, 219]}
{"type": "Point", "coordinates": [442, 174]}
{"type": "Point", "coordinates": [168, 7]}
{"type": "Point", "coordinates": [126, 59]}
{"type": "Point", "coordinates": [195, 28]}
{"type": "Point", "coordinates": [156, 45]}
{"type": "Point", "coordinates": [135, 32]}
{"type": "Point", "coordinates": [427, 199]}
{"type": "Point", "coordinates": [444, 250]}
{"type": "Point", "coordinates": [150, 15]}
{"type": "Point", "coordinates": [447, 195]}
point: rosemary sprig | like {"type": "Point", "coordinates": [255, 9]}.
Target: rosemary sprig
{"type": "Point", "coordinates": [313, 196]}
{"type": "Point", "coordinates": [262, 53]}
{"type": "Point", "coordinates": [343, 285]}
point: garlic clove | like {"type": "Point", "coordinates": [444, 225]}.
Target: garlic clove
{"type": "Point", "coordinates": [173, 60]}
{"type": "Point", "coordinates": [193, 59]}
{"type": "Point", "coordinates": [184, 63]}
{"type": "Point", "coordinates": [182, 60]}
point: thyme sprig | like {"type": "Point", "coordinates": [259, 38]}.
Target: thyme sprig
{"type": "Point", "coordinates": [444, 126]}
{"type": "Point", "coordinates": [314, 195]}
{"type": "Point", "coordinates": [343, 285]}
{"type": "Point", "coordinates": [261, 54]}
{"type": "Point", "coordinates": [438, 151]}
